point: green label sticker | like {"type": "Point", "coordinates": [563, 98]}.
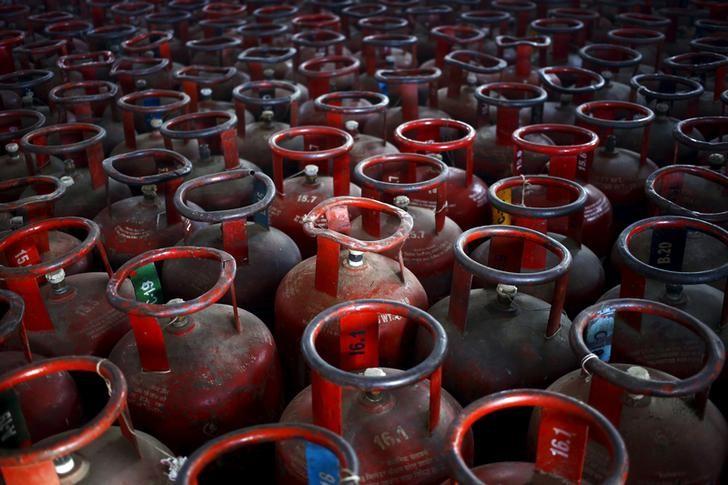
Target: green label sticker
{"type": "Point", "coordinates": [147, 287]}
{"type": "Point", "coordinates": [13, 430]}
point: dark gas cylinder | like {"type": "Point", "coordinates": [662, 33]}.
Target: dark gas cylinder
{"type": "Point", "coordinates": [493, 149]}
{"type": "Point", "coordinates": [196, 369]}
{"type": "Point", "coordinates": [339, 274]}
{"type": "Point", "coordinates": [564, 33]}
{"type": "Point", "coordinates": [706, 134]}
{"type": "Point", "coordinates": [263, 254]}
{"type": "Point", "coordinates": [650, 43]}
{"type": "Point", "coordinates": [210, 87]}
{"type": "Point", "coordinates": [704, 66]}
{"type": "Point", "coordinates": [336, 72]}
{"type": "Point", "coordinates": [422, 19]}
{"type": "Point", "coordinates": [177, 22]}
{"type": "Point", "coordinates": [109, 36]}
{"type": "Point", "coordinates": [151, 43]}
{"type": "Point", "coordinates": [352, 14]}
{"type": "Point", "coordinates": [41, 54]}
{"type": "Point", "coordinates": [493, 23]}
{"type": "Point", "coordinates": [555, 206]}
{"type": "Point", "coordinates": [568, 87]}
{"type": "Point", "coordinates": [217, 51]}
{"type": "Point", "coordinates": [97, 452]}
{"type": "Point", "coordinates": [386, 414]}
{"type": "Point", "coordinates": [72, 32]}
{"type": "Point", "coordinates": [448, 38]}
{"type": "Point", "coordinates": [617, 64]}
{"type": "Point", "coordinates": [324, 149]}
{"type": "Point", "coordinates": [68, 316]}
{"type": "Point", "coordinates": [318, 43]}
{"type": "Point", "coordinates": [477, 321]}
{"type": "Point", "coordinates": [14, 124]}
{"type": "Point", "coordinates": [265, 62]}
{"type": "Point", "coordinates": [131, 13]}
{"type": "Point", "coordinates": [28, 89]}
{"type": "Point", "coordinates": [386, 50]}
{"type": "Point", "coordinates": [9, 40]}
{"type": "Point", "coordinates": [156, 73]}
{"type": "Point", "coordinates": [522, 12]}
{"type": "Point", "coordinates": [428, 251]}
{"type": "Point", "coordinates": [317, 440]}
{"type": "Point", "coordinates": [87, 66]}
{"type": "Point", "coordinates": [652, 409]}
{"type": "Point", "coordinates": [565, 426]}
{"type": "Point", "coordinates": [595, 25]}
{"type": "Point", "coordinates": [522, 71]}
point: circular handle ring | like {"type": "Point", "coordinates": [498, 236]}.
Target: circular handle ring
{"type": "Point", "coordinates": [400, 187]}
{"type": "Point", "coordinates": [520, 134]}
{"type": "Point", "coordinates": [540, 94]}
{"type": "Point", "coordinates": [323, 102]}
{"type": "Point", "coordinates": [464, 141]}
{"type": "Point", "coordinates": [673, 208]}
{"type": "Point", "coordinates": [28, 141]}
{"type": "Point", "coordinates": [183, 169]}
{"type": "Point", "coordinates": [58, 190]}
{"type": "Point", "coordinates": [584, 113]}
{"type": "Point", "coordinates": [169, 130]}
{"type": "Point", "coordinates": [274, 142]}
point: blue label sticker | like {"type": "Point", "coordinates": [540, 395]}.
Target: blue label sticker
{"type": "Point", "coordinates": [383, 88]}
{"type": "Point", "coordinates": [149, 117]}
{"type": "Point", "coordinates": [261, 217]}
{"type": "Point", "coordinates": [599, 335]}
{"type": "Point", "coordinates": [322, 464]}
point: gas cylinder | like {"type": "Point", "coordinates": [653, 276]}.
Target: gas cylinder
{"type": "Point", "coordinates": [385, 51]}
{"type": "Point", "coordinates": [493, 23]}
{"type": "Point", "coordinates": [565, 426]}
{"type": "Point", "coordinates": [323, 75]}
{"type": "Point", "coordinates": [704, 134]}
{"type": "Point", "coordinates": [275, 102]}
{"type": "Point", "coordinates": [334, 276]}
{"type": "Point", "coordinates": [130, 12]}
{"type": "Point", "coordinates": [595, 25]}
{"type": "Point", "coordinates": [716, 10]}
{"type": "Point", "coordinates": [324, 20]}
{"type": "Point", "coordinates": [80, 145]}
{"type": "Point", "coordinates": [616, 64]}
{"type": "Point", "coordinates": [344, 113]}
{"type": "Point", "coordinates": [618, 172]}
{"type": "Point", "coordinates": [673, 260]}
{"type": "Point", "coordinates": [428, 252]}
{"type": "Point", "coordinates": [152, 43]}
{"type": "Point", "coordinates": [109, 37]}
{"type": "Point", "coordinates": [58, 390]}
{"type": "Point", "coordinates": [652, 21]}
{"type": "Point", "coordinates": [90, 102]}
{"type": "Point", "coordinates": [9, 40]}
{"type": "Point", "coordinates": [522, 11]}
{"type": "Point", "coordinates": [222, 26]}
{"type": "Point", "coordinates": [352, 14]}
{"type": "Point", "coordinates": [14, 124]}
{"type": "Point", "coordinates": [17, 16]}
{"type": "Point", "coordinates": [389, 416]}
{"type": "Point", "coordinates": [128, 71]}
{"type": "Point", "coordinates": [218, 51]}
{"type": "Point", "coordinates": [196, 368]}
{"type": "Point", "coordinates": [564, 35]}
{"type": "Point", "coordinates": [31, 199]}
{"type": "Point", "coordinates": [28, 89]}
{"type": "Point", "coordinates": [317, 43]}
{"type": "Point", "coordinates": [568, 87]}
{"type": "Point", "coordinates": [216, 135]}
{"type": "Point", "coordinates": [521, 71]}
{"type": "Point", "coordinates": [149, 221]}
{"type": "Point", "coordinates": [263, 254]}
{"type": "Point", "coordinates": [422, 19]}
{"type": "Point", "coordinates": [404, 84]}
{"type": "Point", "coordinates": [177, 22]}
{"type": "Point", "coordinates": [69, 316]}
{"type": "Point", "coordinates": [324, 149]}
{"type": "Point", "coordinates": [648, 406]}
{"type": "Point", "coordinates": [72, 32]}
{"type": "Point", "coordinates": [650, 43]}
{"type": "Point", "coordinates": [266, 62]}
{"type": "Point", "coordinates": [36, 22]}
{"type": "Point", "coordinates": [710, 43]}
{"type": "Point", "coordinates": [264, 34]}
{"type": "Point", "coordinates": [466, 69]}
{"type": "Point", "coordinates": [87, 66]}
{"type": "Point", "coordinates": [555, 206]}
{"type": "Point", "coordinates": [567, 148]}
{"type": "Point", "coordinates": [96, 452]}
{"type": "Point", "coordinates": [467, 194]}
{"type": "Point", "coordinates": [494, 148]}
{"type": "Point", "coordinates": [210, 87]}
{"type": "Point", "coordinates": [704, 65]}
{"type": "Point", "coordinates": [41, 54]}
{"type": "Point", "coordinates": [275, 14]}
{"type": "Point", "coordinates": [671, 98]}
{"type": "Point", "coordinates": [684, 25]}
{"type": "Point", "coordinates": [448, 38]}
{"type": "Point", "coordinates": [503, 313]}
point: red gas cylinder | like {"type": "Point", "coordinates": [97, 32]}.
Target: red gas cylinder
{"type": "Point", "coordinates": [521, 71]}
{"type": "Point", "coordinates": [565, 427]}
{"type": "Point", "coordinates": [595, 26]}
{"type": "Point", "coordinates": [564, 35]}
{"type": "Point", "coordinates": [80, 146]}
{"type": "Point", "coordinates": [554, 206]}
{"type": "Point", "coordinates": [710, 43]}
{"type": "Point", "coordinates": [15, 124]}
{"type": "Point", "coordinates": [316, 21]}
{"type": "Point", "coordinates": [109, 37]}
{"type": "Point", "coordinates": [403, 84]}
{"type": "Point", "coordinates": [466, 69]}
{"type": "Point", "coordinates": [352, 14]}
{"type": "Point", "coordinates": [683, 26]}
{"type": "Point", "coordinates": [216, 135]}
{"type": "Point", "coordinates": [617, 65]}
{"type": "Point", "coordinates": [325, 149]}
{"type": "Point", "coordinates": [618, 172]}
{"type": "Point", "coordinates": [671, 98]}
{"type": "Point", "coordinates": [347, 110]}
{"type": "Point", "coordinates": [704, 65]}
{"type": "Point", "coordinates": [131, 12]}
{"type": "Point", "coordinates": [334, 276]}
{"type": "Point", "coordinates": [28, 89]}
{"type": "Point", "coordinates": [36, 22]}
{"type": "Point", "coordinates": [275, 14]}
{"type": "Point", "coordinates": [210, 88]}
{"type": "Point", "coordinates": [17, 16]}
{"type": "Point", "coordinates": [375, 23]}
{"type": "Point", "coordinates": [317, 43]}
{"type": "Point", "coordinates": [422, 19]}
{"type": "Point", "coordinates": [493, 23]}
{"type": "Point", "coordinates": [222, 26]}
{"type": "Point", "coordinates": [323, 75]}
{"type": "Point", "coordinates": [152, 43]}
{"type": "Point", "coordinates": [493, 147]}
{"type": "Point", "coordinates": [568, 147]}
{"type": "Point", "coordinates": [155, 72]}
{"type": "Point", "coordinates": [568, 87]}
{"type": "Point", "coordinates": [9, 40]}
{"type": "Point", "coordinates": [268, 62]}
{"type": "Point", "coordinates": [428, 252]}
{"type": "Point", "coordinates": [673, 260]}
{"type": "Point", "coordinates": [704, 134]}
{"type": "Point", "coordinates": [467, 194]}
{"type": "Point", "coordinates": [69, 316]}
{"type": "Point", "coordinates": [478, 321]}
{"type": "Point", "coordinates": [175, 21]}
{"type": "Point", "coordinates": [448, 38]}
{"type": "Point", "coordinates": [218, 51]}
{"type": "Point", "coordinates": [648, 406]}
{"type": "Point", "coordinates": [90, 102]}
{"type": "Point", "coordinates": [87, 66]}
{"type": "Point", "coordinates": [263, 254]}
{"type": "Point", "coordinates": [72, 32]}
{"type": "Point", "coordinates": [386, 51]}
{"type": "Point", "coordinates": [96, 452]}
{"type": "Point", "coordinates": [522, 11]}
{"type": "Point", "coordinates": [264, 34]}
{"type": "Point", "coordinates": [388, 415]}
{"type": "Point", "coordinates": [149, 221]}
{"type": "Point", "coordinates": [270, 100]}
{"type": "Point", "coordinates": [41, 54]}
{"type": "Point", "coordinates": [199, 368]}
{"type": "Point", "coordinates": [647, 41]}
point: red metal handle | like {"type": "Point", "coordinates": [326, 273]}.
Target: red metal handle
{"type": "Point", "coordinates": [213, 27]}
{"type": "Point", "coordinates": [257, 57]}
{"type": "Point", "coordinates": [461, 61]}
{"type": "Point", "coordinates": [26, 79]}
{"type": "Point", "coordinates": [128, 12]}
{"type": "Point", "coordinates": [524, 47]}
{"type": "Point", "coordinates": [327, 381]}
{"type": "Point", "coordinates": [711, 127]}
{"type": "Point", "coordinates": [274, 13]}
{"type": "Point", "coordinates": [640, 84]}
{"type": "Point", "coordinates": [23, 251]}
{"type": "Point", "coordinates": [143, 316]}
{"type": "Point", "coordinates": [510, 98]}
{"type": "Point", "coordinates": [339, 153]}
{"type": "Point", "coordinates": [154, 41]}
{"type": "Point", "coordinates": [36, 206]}
{"type": "Point", "coordinates": [89, 150]}
{"type": "Point", "coordinates": [217, 10]}
{"type": "Point", "coordinates": [563, 32]}
{"type": "Point", "coordinates": [448, 36]}
{"type": "Point", "coordinates": [197, 76]}
{"type": "Point", "coordinates": [562, 418]}
{"type": "Point", "coordinates": [377, 47]}
{"type": "Point", "coordinates": [220, 131]}
{"type": "Point", "coordinates": [88, 105]}
{"type": "Point", "coordinates": [362, 11]}
{"type": "Point", "coordinates": [129, 106]}
{"type": "Point", "coordinates": [319, 79]}
{"type": "Point", "coordinates": [70, 29]}
{"type": "Point", "coordinates": [87, 63]}
{"type": "Point", "coordinates": [13, 322]}
{"type": "Point", "coordinates": [264, 100]}
{"type": "Point", "coordinates": [649, 21]}
{"type": "Point", "coordinates": [316, 21]}
{"type": "Point", "coordinates": [333, 105]}
{"type": "Point", "coordinates": [509, 246]}
{"type": "Point", "coordinates": [407, 81]}
{"type": "Point", "coordinates": [259, 34]}
{"type": "Point", "coordinates": [637, 37]}
{"type": "Point", "coordinates": [612, 57]}
{"type": "Point", "coordinates": [16, 123]}
{"type": "Point", "coordinates": [609, 383]}
{"type": "Point", "coordinates": [702, 62]}
{"type": "Point", "coordinates": [521, 10]}
{"type": "Point", "coordinates": [666, 181]}
{"type": "Point", "coordinates": [269, 433]}
{"type": "Point", "coordinates": [35, 464]}
{"type": "Point", "coordinates": [9, 39]}
{"type": "Point", "coordinates": [128, 69]}
{"type": "Point", "coordinates": [233, 221]}
{"type": "Point", "coordinates": [177, 21]}
{"type": "Point", "coordinates": [579, 82]}
{"type": "Point", "coordinates": [29, 54]}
